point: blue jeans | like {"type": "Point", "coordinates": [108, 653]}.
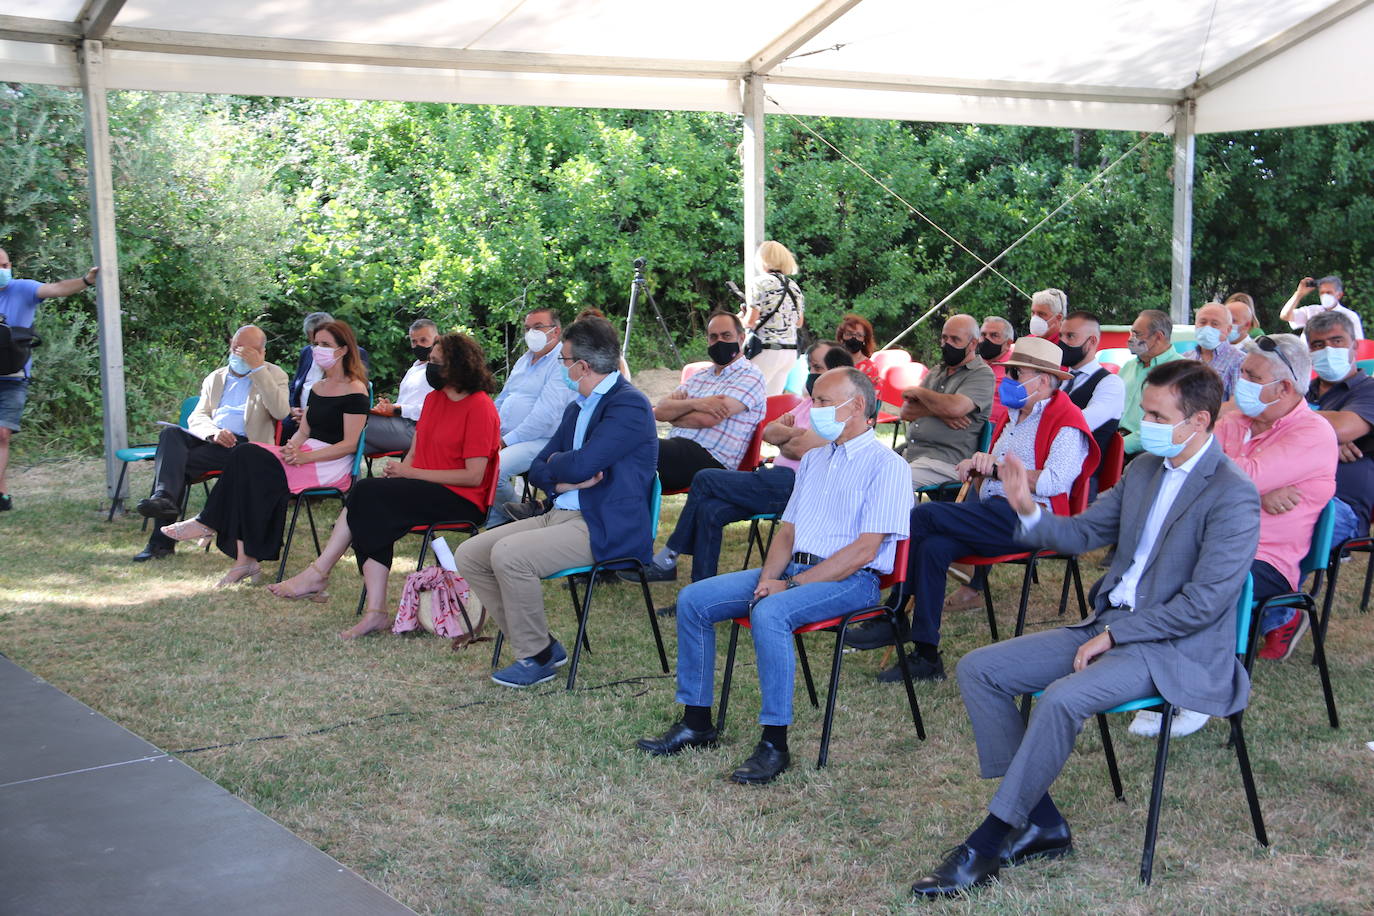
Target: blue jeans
{"type": "Point", "coordinates": [1269, 582]}
{"type": "Point", "coordinates": [701, 605]}
{"type": "Point", "coordinates": [1347, 524]}
{"type": "Point", "coordinates": [718, 498]}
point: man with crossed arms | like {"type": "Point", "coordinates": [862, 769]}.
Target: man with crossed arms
{"type": "Point", "coordinates": [1185, 521]}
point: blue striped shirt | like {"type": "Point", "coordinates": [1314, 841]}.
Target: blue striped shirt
{"type": "Point", "coordinates": [843, 491]}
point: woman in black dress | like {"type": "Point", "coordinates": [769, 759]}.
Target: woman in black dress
{"type": "Point", "coordinates": [246, 511]}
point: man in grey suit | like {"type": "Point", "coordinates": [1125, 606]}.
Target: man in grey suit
{"type": "Point", "coordinates": [1186, 524]}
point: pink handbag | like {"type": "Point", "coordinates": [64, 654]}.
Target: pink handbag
{"type": "Point", "coordinates": [440, 602]}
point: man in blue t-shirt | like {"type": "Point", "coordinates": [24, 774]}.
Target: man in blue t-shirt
{"type": "Point", "coordinates": [18, 304]}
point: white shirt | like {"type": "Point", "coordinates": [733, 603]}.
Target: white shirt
{"type": "Point", "coordinates": [1304, 313]}
{"type": "Point", "coordinates": [1109, 397]}
{"type": "Point", "coordinates": [1123, 595]}
{"type": "Point", "coordinates": [414, 389]}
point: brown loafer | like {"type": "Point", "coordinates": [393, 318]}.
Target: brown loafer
{"type": "Point", "coordinates": [953, 603]}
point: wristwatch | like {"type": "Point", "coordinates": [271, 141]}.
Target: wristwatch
{"type": "Point", "coordinates": [790, 582]}
{"type": "Point", "coordinates": [1107, 628]}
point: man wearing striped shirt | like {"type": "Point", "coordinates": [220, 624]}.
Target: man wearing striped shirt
{"type": "Point", "coordinates": [849, 507]}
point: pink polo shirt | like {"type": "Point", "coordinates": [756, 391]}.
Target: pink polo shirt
{"type": "Point", "coordinates": [801, 415]}
{"type": "Point", "coordinates": [1298, 450]}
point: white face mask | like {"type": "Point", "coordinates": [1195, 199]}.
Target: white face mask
{"type": "Point", "coordinates": [1329, 301]}
{"type": "Point", "coordinates": [536, 340]}
{"type": "Point", "coordinates": [1039, 327]}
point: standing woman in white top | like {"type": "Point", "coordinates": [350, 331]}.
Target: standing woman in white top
{"type": "Point", "coordinates": [772, 289]}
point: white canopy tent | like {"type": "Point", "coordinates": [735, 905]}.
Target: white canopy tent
{"type": "Point", "coordinates": [1189, 67]}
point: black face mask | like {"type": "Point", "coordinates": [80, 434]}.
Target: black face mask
{"type": "Point", "coordinates": [951, 355]}
{"type": "Point", "coordinates": [723, 352]}
{"type": "Point", "coordinates": [1072, 355]}
{"type": "Point", "coordinates": [853, 344]}
{"type": "Point", "coordinates": [434, 374]}
{"type": "Point", "coordinates": [989, 350]}
{"type": "Point", "coordinates": [421, 353]}
{"type": "Point", "coordinates": [811, 381]}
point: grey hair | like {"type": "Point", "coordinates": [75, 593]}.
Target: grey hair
{"type": "Point", "coordinates": [313, 321]}
{"type": "Point", "coordinates": [1160, 322]}
{"type": "Point", "coordinates": [1334, 281]}
{"type": "Point", "coordinates": [1007, 327]}
{"type": "Point", "coordinates": [1056, 299]}
{"type": "Point", "coordinates": [973, 322]}
{"type": "Point", "coordinates": [552, 313]}
{"type": "Point", "coordinates": [1297, 354]}
{"type": "Point", "coordinates": [862, 386]}
{"type": "Point", "coordinates": [594, 341]}
{"type": "Point", "coordinates": [1325, 321]}
{"type": "Point", "coordinates": [419, 324]}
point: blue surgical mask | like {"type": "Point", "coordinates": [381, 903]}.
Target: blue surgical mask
{"type": "Point", "coordinates": [1233, 335]}
{"type": "Point", "coordinates": [1208, 337]}
{"type": "Point", "coordinates": [6, 275]}
{"type": "Point", "coordinates": [824, 423]}
{"type": "Point", "coordinates": [568, 379]}
{"type": "Point", "coordinates": [238, 365]}
{"type": "Point", "coordinates": [1331, 363]}
{"type": "Point", "coordinates": [1012, 394]}
{"type": "Point", "coordinates": [1248, 396]}
{"type": "Point", "coordinates": [1158, 438]}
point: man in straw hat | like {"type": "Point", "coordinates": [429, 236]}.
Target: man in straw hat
{"type": "Point", "coordinates": [1046, 430]}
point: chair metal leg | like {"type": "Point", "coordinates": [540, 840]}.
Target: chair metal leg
{"type": "Point", "coordinates": [1064, 591]}
{"type": "Point", "coordinates": [1025, 594]}
{"type": "Point", "coordinates": [992, 615]}
{"type": "Point", "coordinates": [828, 720]}
{"type": "Point", "coordinates": [116, 501]}
{"type": "Point", "coordinates": [314, 532]}
{"type": "Point", "coordinates": [290, 535]}
{"type": "Point", "coordinates": [754, 535]}
{"type": "Point", "coordinates": [1147, 856]}
{"type": "Point", "coordinates": [1368, 581]}
{"type": "Point", "coordinates": [1078, 587]}
{"type": "Point", "coordinates": [806, 671]}
{"type": "Point", "coordinates": [1247, 777]}
{"type": "Point", "coordinates": [653, 619]}
{"type": "Point", "coordinates": [1319, 640]}
{"type": "Point", "coordinates": [728, 677]}
{"type": "Point", "coordinates": [496, 649]}
{"type": "Point", "coordinates": [1109, 752]}
{"type": "Point", "coordinates": [582, 614]}
{"type": "Point", "coordinates": [898, 622]}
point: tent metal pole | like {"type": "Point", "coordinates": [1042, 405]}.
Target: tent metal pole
{"type": "Point", "coordinates": [753, 151]}
{"type": "Point", "coordinates": [1185, 144]}
{"type": "Point", "coordinates": [100, 189]}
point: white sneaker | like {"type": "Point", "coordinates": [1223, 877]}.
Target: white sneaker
{"type": "Point", "coordinates": [1146, 724]}
{"type": "Point", "coordinates": [1186, 721]}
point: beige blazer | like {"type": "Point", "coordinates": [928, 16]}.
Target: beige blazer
{"type": "Point", "coordinates": [267, 403]}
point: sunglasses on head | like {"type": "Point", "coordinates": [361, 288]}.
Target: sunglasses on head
{"type": "Point", "coordinates": [1269, 345]}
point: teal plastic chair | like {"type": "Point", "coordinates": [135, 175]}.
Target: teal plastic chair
{"type": "Point", "coordinates": [582, 607]}
{"type": "Point", "coordinates": [1315, 564]}
{"type": "Point", "coordinates": [1365, 365]}
{"type": "Point", "coordinates": [145, 452]}
{"type": "Point", "coordinates": [945, 492]}
{"type": "Point", "coordinates": [1147, 857]}
{"type": "Point", "coordinates": [305, 496]}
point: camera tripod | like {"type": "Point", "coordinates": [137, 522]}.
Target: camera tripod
{"type": "Point", "coordinates": [639, 283]}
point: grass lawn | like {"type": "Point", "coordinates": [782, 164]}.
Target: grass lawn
{"type": "Point", "coordinates": [458, 796]}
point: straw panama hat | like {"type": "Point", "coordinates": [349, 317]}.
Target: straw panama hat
{"type": "Point", "coordinates": [1037, 353]}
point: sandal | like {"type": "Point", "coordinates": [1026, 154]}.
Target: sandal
{"type": "Point", "coordinates": [318, 595]}
{"type": "Point", "coordinates": [188, 530]}
{"type": "Point", "coordinates": [250, 571]}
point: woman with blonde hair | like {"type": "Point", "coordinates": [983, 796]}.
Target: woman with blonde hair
{"type": "Point", "coordinates": [774, 311]}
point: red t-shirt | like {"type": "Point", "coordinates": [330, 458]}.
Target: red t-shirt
{"type": "Point", "coordinates": [451, 432]}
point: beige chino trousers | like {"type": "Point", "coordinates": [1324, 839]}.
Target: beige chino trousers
{"type": "Point", "coordinates": [504, 567]}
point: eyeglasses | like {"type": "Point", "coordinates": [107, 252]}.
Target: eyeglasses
{"type": "Point", "coordinates": [568, 359]}
{"type": "Point", "coordinates": [1014, 373]}
{"type": "Point", "coordinates": [1269, 345]}
{"type": "Point", "coordinates": [539, 327]}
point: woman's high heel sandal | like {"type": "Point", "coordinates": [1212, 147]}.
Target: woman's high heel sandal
{"type": "Point", "coordinates": [318, 595]}
{"type": "Point", "coordinates": [250, 571]}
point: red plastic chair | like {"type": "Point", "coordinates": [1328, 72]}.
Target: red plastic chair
{"type": "Point", "coordinates": [692, 369]}
{"type": "Point", "coordinates": [1113, 463]}
{"type": "Point", "coordinates": [886, 359]}
{"type": "Point", "coordinates": [1111, 339]}
{"type": "Point", "coordinates": [773, 407]}
{"type": "Point", "coordinates": [895, 381]}
{"type": "Point", "coordinates": [836, 625]}
{"type": "Point", "coordinates": [1078, 501]}
{"type": "Point", "coordinates": [1113, 368]}
{"type": "Point", "coordinates": [1364, 349]}
{"type": "Point", "coordinates": [776, 406]}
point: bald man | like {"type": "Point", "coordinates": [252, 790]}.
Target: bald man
{"type": "Point", "coordinates": [239, 402]}
{"type": "Point", "coordinates": [1212, 327]}
{"type": "Point", "coordinates": [947, 411]}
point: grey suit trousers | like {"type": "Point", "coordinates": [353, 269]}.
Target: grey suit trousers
{"type": "Point", "coordinates": [390, 434]}
{"type": "Point", "coordinates": [1028, 758]}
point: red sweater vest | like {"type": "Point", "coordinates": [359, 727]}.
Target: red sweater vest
{"type": "Point", "coordinates": [1060, 412]}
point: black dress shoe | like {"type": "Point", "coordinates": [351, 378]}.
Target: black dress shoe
{"type": "Point", "coordinates": [962, 870]}
{"type": "Point", "coordinates": [652, 573]}
{"type": "Point", "coordinates": [766, 764]}
{"type": "Point", "coordinates": [677, 738]}
{"type": "Point", "coordinates": [871, 634]}
{"type": "Point", "coordinates": [921, 670]}
{"type": "Point", "coordinates": [669, 611]}
{"type": "Point", "coordinates": [153, 552]}
{"type": "Point", "coordinates": [1036, 842]}
{"type": "Point", "coordinates": [160, 507]}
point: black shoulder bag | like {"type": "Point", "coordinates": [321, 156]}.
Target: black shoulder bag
{"type": "Point", "coordinates": [753, 344]}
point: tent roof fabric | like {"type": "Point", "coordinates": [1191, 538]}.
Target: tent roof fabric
{"type": "Point", "coordinates": [1118, 64]}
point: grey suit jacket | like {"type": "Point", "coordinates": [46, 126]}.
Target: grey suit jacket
{"type": "Point", "coordinates": [1184, 623]}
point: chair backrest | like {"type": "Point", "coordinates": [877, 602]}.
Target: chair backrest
{"type": "Point", "coordinates": [898, 378]}
{"type": "Point", "coordinates": [1184, 346]}
{"type": "Point", "coordinates": [1364, 349]}
{"type": "Point", "coordinates": [779, 404]}
{"type": "Point", "coordinates": [1244, 608]}
{"type": "Point", "coordinates": [985, 437]}
{"type": "Point", "coordinates": [656, 500]}
{"type": "Point", "coordinates": [692, 369]}
{"type": "Point", "coordinates": [898, 574]}
{"type": "Point", "coordinates": [1113, 368]}
{"type": "Point", "coordinates": [358, 452]}
{"type": "Point", "coordinates": [1323, 532]}
{"type": "Point", "coordinates": [1113, 463]}
{"type": "Point", "coordinates": [1365, 365]}
{"type": "Point", "coordinates": [1114, 340]}
{"type": "Point", "coordinates": [886, 359]}
{"type": "Point", "coordinates": [188, 407]}
{"type": "Point", "coordinates": [1117, 356]}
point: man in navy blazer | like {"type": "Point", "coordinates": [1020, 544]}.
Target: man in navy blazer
{"type": "Point", "coordinates": [1185, 521]}
{"type": "Point", "coordinates": [600, 467]}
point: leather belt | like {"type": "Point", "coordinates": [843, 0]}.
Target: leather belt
{"type": "Point", "coordinates": [810, 559]}
{"type": "Point", "coordinates": [779, 346]}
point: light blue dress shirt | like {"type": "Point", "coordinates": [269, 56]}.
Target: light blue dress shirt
{"type": "Point", "coordinates": [572, 499]}
{"type": "Point", "coordinates": [233, 402]}
{"type": "Point", "coordinates": [532, 401]}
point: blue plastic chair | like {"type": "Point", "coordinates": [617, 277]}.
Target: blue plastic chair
{"type": "Point", "coordinates": [305, 496]}
{"type": "Point", "coordinates": [583, 606]}
{"type": "Point", "coordinates": [1147, 857]}
{"type": "Point", "coordinates": [1315, 564]}
{"type": "Point", "coordinates": [146, 451]}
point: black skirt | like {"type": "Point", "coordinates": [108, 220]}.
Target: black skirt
{"type": "Point", "coordinates": [382, 510]}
